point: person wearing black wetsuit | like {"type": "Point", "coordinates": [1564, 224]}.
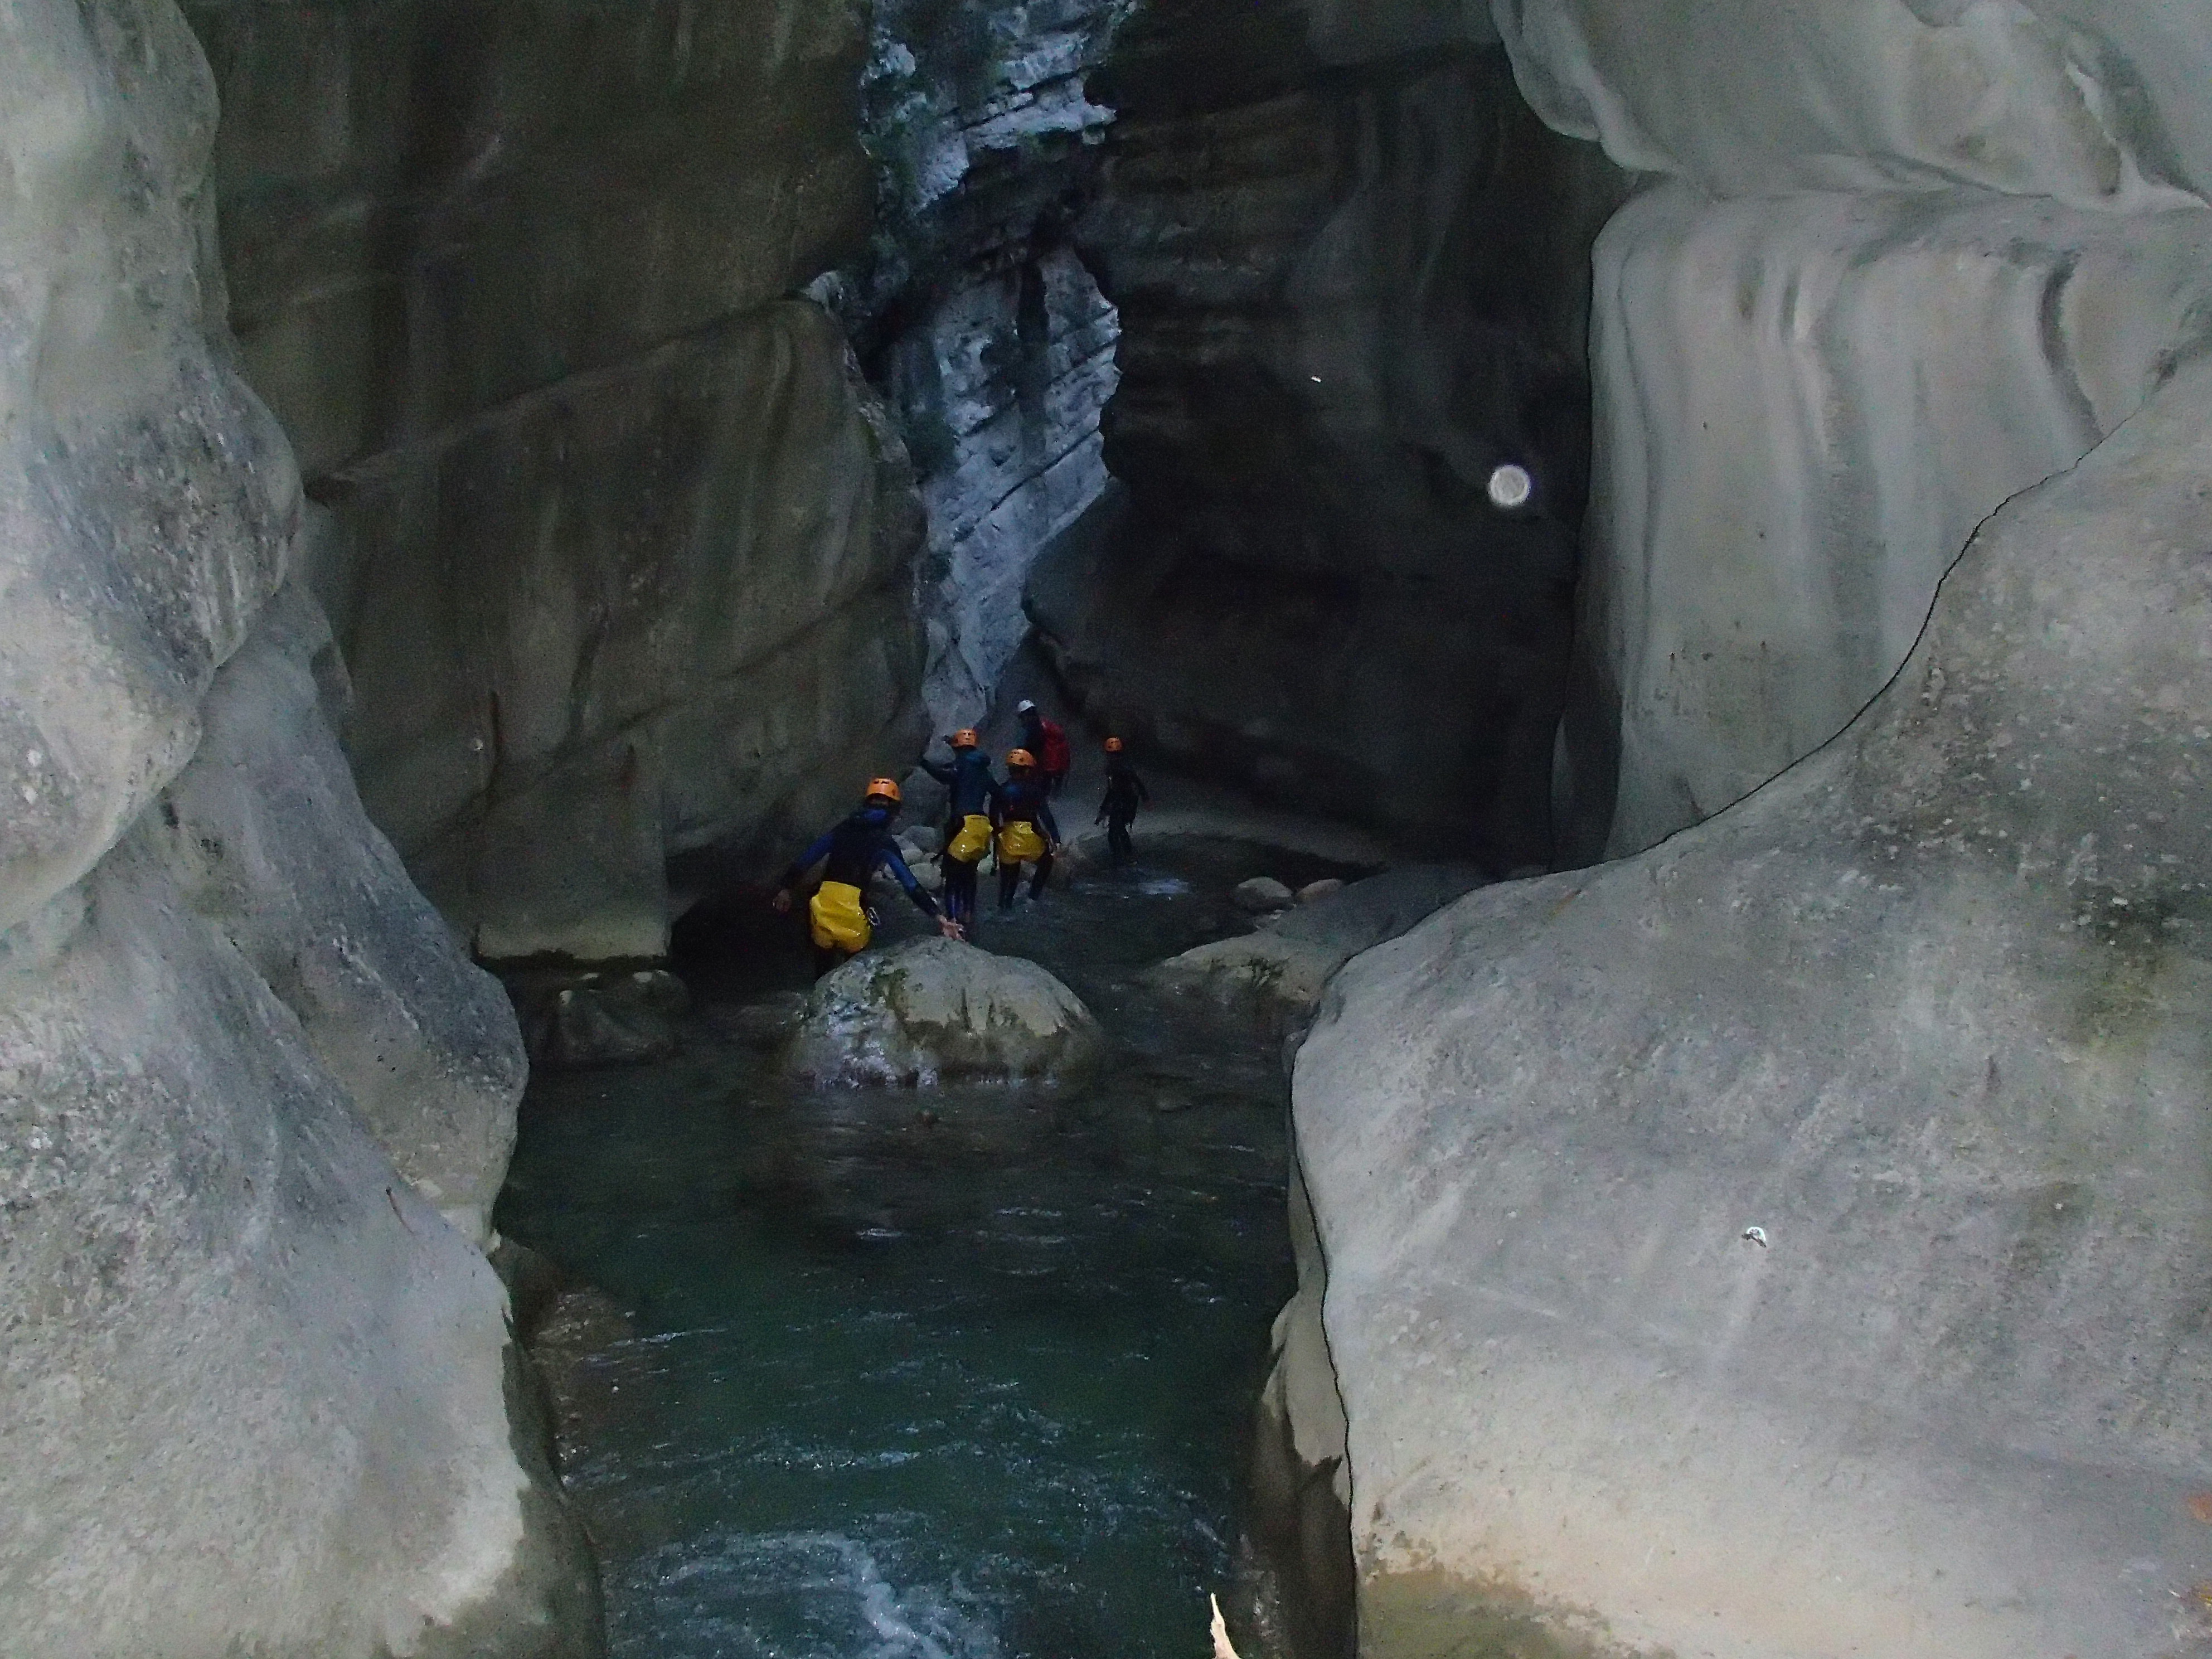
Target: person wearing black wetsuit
{"type": "Point", "coordinates": [841, 924]}
{"type": "Point", "coordinates": [1125, 794]}
{"type": "Point", "coordinates": [975, 793]}
{"type": "Point", "coordinates": [1025, 799]}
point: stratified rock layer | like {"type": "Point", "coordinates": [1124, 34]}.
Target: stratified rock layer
{"type": "Point", "coordinates": [992, 338]}
{"type": "Point", "coordinates": [256, 1388]}
{"type": "Point", "coordinates": [1930, 1012]}
{"type": "Point", "coordinates": [1352, 280]}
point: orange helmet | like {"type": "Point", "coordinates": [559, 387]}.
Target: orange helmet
{"type": "Point", "coordinates": [1021, 758]}
{"type": "Point", "coordinates": [967, 737]}
{"type": "Point", "coordinates": [1114, 745]}
{"type": "Point", "coordinates": [884, 790]}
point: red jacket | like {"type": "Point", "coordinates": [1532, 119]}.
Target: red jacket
{"type": "Point", "coordinates": [1054, 755]}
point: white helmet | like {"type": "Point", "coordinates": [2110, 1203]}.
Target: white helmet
{"type": "Point", "coordinates": [1025, 707]}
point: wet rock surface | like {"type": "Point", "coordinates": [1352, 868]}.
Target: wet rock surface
{"type": "Point", "coordinates": [976, 311]}
{"type": "Point", "coordinates": [937, 1010]}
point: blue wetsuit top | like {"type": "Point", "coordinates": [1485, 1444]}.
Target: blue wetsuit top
{"type": "Point", "coordinates": [1027, 801]}
{"type": "Point", "coordinates": [856, 849]}
{"type": "Point", "coordinates": [968, 777]}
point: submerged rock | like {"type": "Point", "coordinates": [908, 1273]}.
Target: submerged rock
{"type": "Point", "coordinates": [765, 1025]}
{"type": "Point", "coordinates": [937, 1010]}
{"type": "Point", "coordinates": [606, 1019]}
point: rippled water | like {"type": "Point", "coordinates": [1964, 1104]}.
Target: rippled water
{"type": "Point", "coordinates": [862, 1384]}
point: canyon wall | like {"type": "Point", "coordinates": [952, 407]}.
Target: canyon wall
{"type": "Point", "coordinates": [620, 544]}
{"type": "Point", "coordinates": [1791, 1239]}
{"type": "Point", "coordinates": [1353, 274]}
{"type": "Point", "coordinates": [258, 1390]}
{"type": "Point", "coordinates": [974, 310]}
{"type": "Point", "coordinates": [1987, 256]}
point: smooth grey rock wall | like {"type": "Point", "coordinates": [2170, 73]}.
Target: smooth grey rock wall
{"type": "Point", "coordinates": [256, 1392]}
{"type": "Point", "coordinates": [1929, 1011]}
{"type": "Point", "coordinates": [1351, 286]}
{"type": "Point", "coordinates": [1883, 322]}
{"type": "Point", "coordinates": [620, 555]}
{"type": "Point", "coordinates": [265, 837]}
{"type": "Point", "coordinates": [2098, 103]}
{"type": "Point", "coordinates": [685, 614]}
{"type": "Point", "coordinates": [1805, 406]}
{"type": "Point", "coordinates": [134, 553]}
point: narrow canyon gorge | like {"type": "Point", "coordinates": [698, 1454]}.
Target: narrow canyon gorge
{"type": "Point", "coordinates": [1698, 510]}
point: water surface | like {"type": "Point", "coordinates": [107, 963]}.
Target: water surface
{"type": "Point", "coordinates": [892, 1374]}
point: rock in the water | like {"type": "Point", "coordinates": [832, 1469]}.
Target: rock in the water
{"type": "Point", "coordinates": [1930, 1013]}
{"type": "Point", "coordinates": [1315, 890]}
{"type": "Point", "coordinates": [766, 1025]}
{"type": "Point", "coordinates": [1262, 896]}
{"type": "Point", "coordinates": [1279, 973]}
{"type": "Point", "coordinates": [922, 840]}
{"type": "Point", "coordinates": [606, 1019]}
{"type": "Point", "coordinates": [936, 1010]}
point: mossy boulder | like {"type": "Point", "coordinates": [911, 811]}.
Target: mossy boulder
{"type": "Point", "coordinates": [937, 1010]}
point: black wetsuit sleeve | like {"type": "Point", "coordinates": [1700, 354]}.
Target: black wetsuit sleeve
{"type": "Point", "coordinates": [806, 860]}
{"type": "Point", "coordinates": [1143, 794]}
{"type": "Point", "coordinates": [1044, 817]}
{"type": "Point", "coordinates": [889, 859]}
{"type": "Point", "coordinates": [947, 775]}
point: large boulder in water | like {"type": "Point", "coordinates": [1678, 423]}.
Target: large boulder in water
{"type": "Point", "coordinates": [1795, 1240]}
{"type": "Point", "coordinates": [937, 1010]}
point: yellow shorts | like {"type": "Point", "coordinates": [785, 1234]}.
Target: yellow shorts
{"type": "Point", "coordinates": [973, 841]}
{"type": "Point", "coordinates": [1019, 843]}
{"type": "Point", "coordinates": [840, 921]}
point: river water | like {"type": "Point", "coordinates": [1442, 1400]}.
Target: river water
{"type": "Point", "coordinates": [959, 1374]}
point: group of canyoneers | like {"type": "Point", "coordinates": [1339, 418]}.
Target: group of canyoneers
{"type": "Point", "coordinates": [985, 815]}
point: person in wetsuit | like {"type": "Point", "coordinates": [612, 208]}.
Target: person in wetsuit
{"type": "Point", "coordinates": [1027, 831]}
{"type": "Point", "coordinates": [1125, 794]}
{"type": "Point", "coordinates": [967, 815]}
{"type": "Point", "coordinates": [838, 913]}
